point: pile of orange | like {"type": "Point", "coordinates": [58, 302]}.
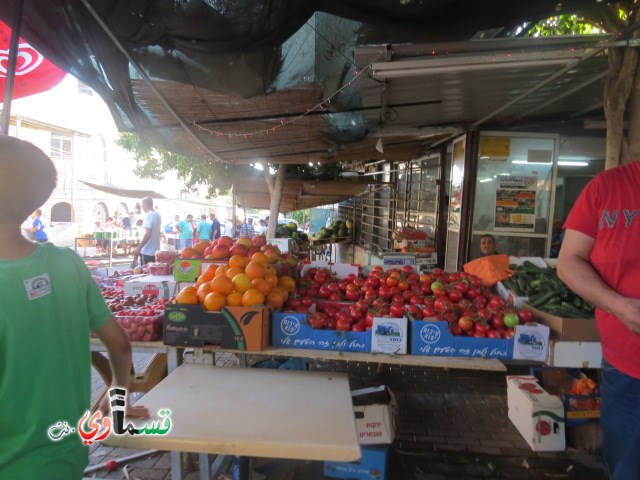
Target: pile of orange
{"type": "Point", "coordinates": [243, 282]}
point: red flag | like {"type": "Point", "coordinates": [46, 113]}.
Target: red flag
{"type": "Point", "coordinates": [34, 73]}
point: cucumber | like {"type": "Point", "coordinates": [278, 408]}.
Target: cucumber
{"type": "Point", "coordinates": [541, 298]}
{"type": "Point", "coordinates": [575, 312]}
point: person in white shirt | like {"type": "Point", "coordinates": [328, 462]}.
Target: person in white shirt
{"type": "Point", "coordinates": [150, 242]}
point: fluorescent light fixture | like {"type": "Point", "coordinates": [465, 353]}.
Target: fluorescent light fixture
{"type": "Point", "coordinates": [573, 164]}
{"type": "Point", "coordinates": [524, 162]}
{"type": "Point", "coordinates": [431, 66]}
{"type": "Point", "coordinates": [485, 180]}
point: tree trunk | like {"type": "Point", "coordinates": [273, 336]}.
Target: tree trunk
{"type": "Point", "coordinates": [276, 195]}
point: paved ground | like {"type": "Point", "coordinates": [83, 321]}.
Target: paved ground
{"type": "Point", "coordinates": [453, 425]}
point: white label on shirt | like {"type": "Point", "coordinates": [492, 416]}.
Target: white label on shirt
{"type": "Point", "coordinates": [37, 287]}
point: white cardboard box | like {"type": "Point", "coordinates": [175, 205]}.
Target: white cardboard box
{"type": "Point", "coordinates": [389, 335]}
{"type": "Point", "coordinates": [376, 412]}
{"type": "Point", "coordinates": [283, 244]}
{"type": "Point", "coordinates": [164, 286]}
{"type": "Point", "coordinates": [538, 415]}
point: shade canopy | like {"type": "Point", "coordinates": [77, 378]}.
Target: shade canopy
{"type": "Point", "coordinates": [124, 192]}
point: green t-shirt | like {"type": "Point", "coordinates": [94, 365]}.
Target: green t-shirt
{"type": "Point", "coordinates": [186, 231]}
{"type": "Point", "coordinates": [48, 305]}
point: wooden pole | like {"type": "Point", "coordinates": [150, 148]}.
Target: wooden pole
{"type": "Point", "coordinates": [276, 196]}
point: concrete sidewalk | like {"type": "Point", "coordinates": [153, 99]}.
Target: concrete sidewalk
{"type": "Point", "coordinates": [452, 425]}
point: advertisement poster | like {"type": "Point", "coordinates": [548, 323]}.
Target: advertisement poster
{"type": "Point", "coordinates": [516, 203]}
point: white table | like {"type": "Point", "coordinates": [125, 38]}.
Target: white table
{"type": "Point", "coordinates": [252, 412]}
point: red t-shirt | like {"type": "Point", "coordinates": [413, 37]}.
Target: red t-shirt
{"type": "Point", "coordinates": [608, 210]}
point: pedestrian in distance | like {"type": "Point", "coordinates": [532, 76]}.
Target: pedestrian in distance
{"type": "Point", "coordinates": [185, 232]}
{"type": "Point", "coordinates": [50, 305]}
{"type": "Point", "coordinates": [599, 260]}
{"type": "Point", "coordinates": [203, 230]}
{"type": "Point", "coordinates": [150, 242]}
{"type": "Point", "coordinates": [215, 227]}
{"type": "Point", "coordinates": [37, 229]}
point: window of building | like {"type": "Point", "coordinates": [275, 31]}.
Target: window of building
{"type": "Point", "coordinates": [61, 147]}
{"type": "Point", "coordinates": [61, 212]}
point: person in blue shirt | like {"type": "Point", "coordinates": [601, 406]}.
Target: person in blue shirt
{"type": "Point", "coordinates": [215, 227]}
{"type": "Point", "coordinates": [185, 229]}
{"type": "Point", "coordinates": [37, 227]}
{"type": "Point", "coordinates": [246, 229]}
{"type": "Point", "coordinates": [203, 230]}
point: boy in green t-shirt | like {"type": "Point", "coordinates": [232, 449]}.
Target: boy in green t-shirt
{"type": "Point", "coordinates": [49, 304]}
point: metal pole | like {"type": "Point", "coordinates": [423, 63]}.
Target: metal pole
{"type": "Point", "coordinates": [11, 68]}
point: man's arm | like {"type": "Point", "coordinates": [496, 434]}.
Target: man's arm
{"type": "Point", "coordinates": [145, 239]}
{"type": "Point", "coordinates": [575, 269]}
{"type": "Point", "coordinates": [119, 349]}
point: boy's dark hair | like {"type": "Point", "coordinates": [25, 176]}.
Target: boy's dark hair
{"type": "Point", "coordinates": [27, 181]}
{"type": "Point", "coordinates": [488, 235]}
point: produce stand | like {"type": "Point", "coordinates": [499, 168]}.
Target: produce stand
{"type": "Point", "coordinates": [213, 411]}
{"type": "Point", "coordinates": [317, 248]}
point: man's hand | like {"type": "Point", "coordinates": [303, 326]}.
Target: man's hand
{"type": "Point", "coordinates": [133, 411]}
{"type": "Point", "coordinates": [627, 310]}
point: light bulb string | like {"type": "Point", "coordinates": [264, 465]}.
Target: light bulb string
{"type": "Point", "coordinates": [284, 122]}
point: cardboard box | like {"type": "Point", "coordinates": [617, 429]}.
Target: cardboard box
{"type": "Point", "coordinates": [239, 328]}
{"type": "Point", "coordinates": [578, 409]}
{"type": "Point", "coordinates": [372, 465]}
{"type": "Point", "coordinates": [586, 437]}
{"type": "Point", "coordinates": [163, 286]}
{"type": "Point", "coordinates": [186, 270]}
{"type": "Point", "coordinates": [571, 354]}
{"type": "Point", "coordinates": [291, 330]}
{"type": "Point", "coordinates": [510, 296]}
{"type": "Point", "coordinates": [576, 329]}
{"type": "Point", "coordinates": [538, 415]}
{"type": "Point", "coordinates": [375, 410]}
{"type": "Point", "coordinates": [433, 338]}
{"type": "Point", "coordinates": [399, 259]}
{"type": "Point", "coordinates": [283, 244]}
{"type": "Point", "coordinates": [389, 335]}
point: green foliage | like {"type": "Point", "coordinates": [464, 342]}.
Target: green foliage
{"type": "Point", "coordinates": [301, 216]}
{"type": "Point", "coordinates": [153, 162]}
{"type": "Point", "coordinates": [563, 25]}
{"type": "Point", "coordinates": [323, 171]}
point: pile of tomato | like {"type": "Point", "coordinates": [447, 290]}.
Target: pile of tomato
{"type": "Point", "coordinates": [458, 298]}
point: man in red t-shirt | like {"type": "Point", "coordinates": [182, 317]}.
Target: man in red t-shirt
{"type": "Point", "coordinates": [600, 261]}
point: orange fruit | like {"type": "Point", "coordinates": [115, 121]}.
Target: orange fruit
{"type": "Point", "coordinates": [214, 301]}
{"type": "Point", "coordinates": [188, 252]}
{"type": "Point", "coordinates": [271, 270]}
{"type": "Point", "coordinates": [283, 291]}
{"type": "Point", "coordinates": [241, 282]}
{"type": "Point", "coordinates": [287, 282]}
{"type": "Point", "coordinates": [222, 270]}
{"type": "Point", "coordinates": [238, 261]}
{"type": "Point", "coordinates": [234, 299]}
{"type": "Point", "coordinates": [222, 284]}
{"type": "Point", "coordinates": [276, 298]}
{"type": "Point", "coordinates": [210, 271]}
{"type": "Point", "coordinates": [260, 258]}
{"type": "Point", "coordinates": [187, 295]}
{"type": "Point", "coordinates": [252, 297]}
{"type": "Point", "coordinates": [255, 270]}
{"type": "Point", "coordinates": [232, 272]}
{"type": "Point", "coordinates": [203, 291]}
{"type": "Point", "coordinates": [201, 246]}
{"type": "Point", "coordinates": [271, 279]}
{"type": "Point", "coordinates": [261, 285]}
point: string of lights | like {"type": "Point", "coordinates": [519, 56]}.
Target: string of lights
{"type": "Point", "coordinates": [321, 106]}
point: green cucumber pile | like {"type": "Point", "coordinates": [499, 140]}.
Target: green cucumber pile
{"type": "Point", "coordinates": [546, 291]}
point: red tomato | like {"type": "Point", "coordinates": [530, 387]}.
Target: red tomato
{"type": "Point", "coordinates": [397, 310]}
{"type": "Point", "coordinates": [465, 324]}
{"type": "Point", "coordinates": [343, 325]}
{"type": "Point", "coordinates": [525, 316]}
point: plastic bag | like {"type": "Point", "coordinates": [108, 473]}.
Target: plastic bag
{"type": "Point", "coordinates": [491, 269]}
